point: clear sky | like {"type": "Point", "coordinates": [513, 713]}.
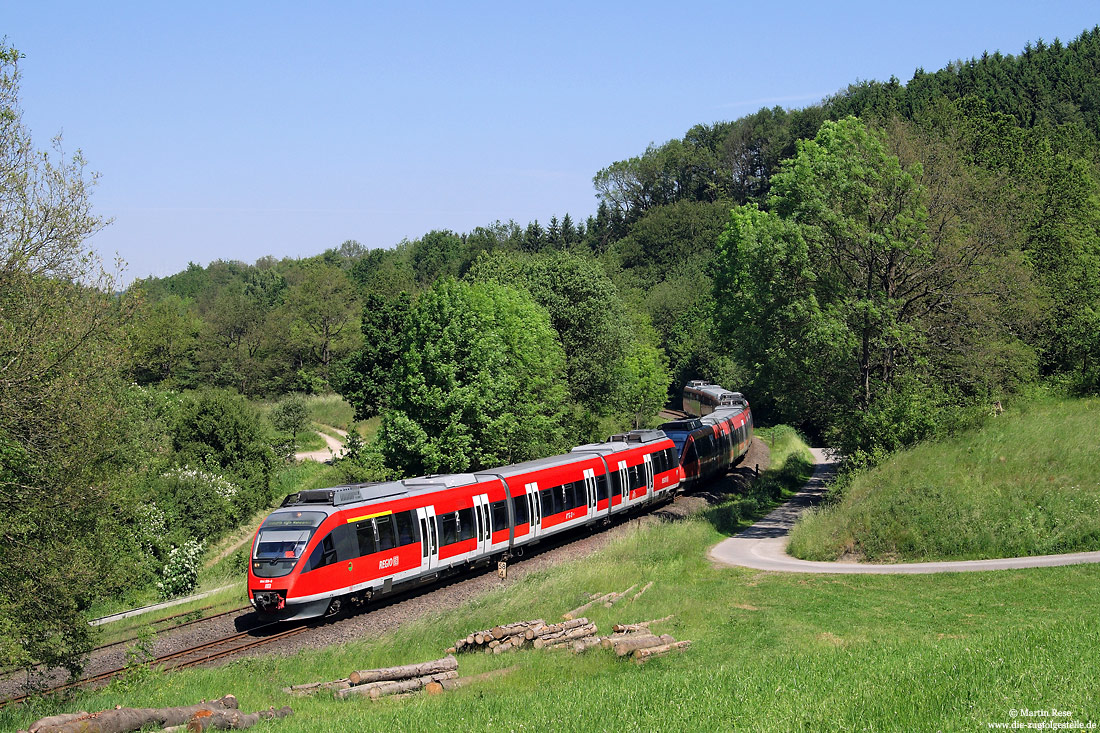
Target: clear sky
{"type": "Point", "coordinates": [233, 130]}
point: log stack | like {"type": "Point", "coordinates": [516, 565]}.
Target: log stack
{"type": "Point", "coordinates": [525, 634]}
{"type": "Point", "coordinates": [376, 683]}
{"type": "Point", "coordinates": [510, 636]}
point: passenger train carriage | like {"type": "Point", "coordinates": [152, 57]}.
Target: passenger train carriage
{"type": "Point", "coordinates": [708, 445]}
{"type": "Point", "coordinates": [701, 398]}
{"type": "Point", "coordinates": [351, 543]}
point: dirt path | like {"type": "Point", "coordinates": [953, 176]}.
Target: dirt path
{"type": "Point", "coordinates": [333, 447]}
{"type": "Point", "coordinates": [763, 546]}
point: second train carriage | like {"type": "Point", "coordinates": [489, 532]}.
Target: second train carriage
{"type": "Point", "coordinates": [709, 445]}
{"type": "Point", "coordinates": [352, 543]}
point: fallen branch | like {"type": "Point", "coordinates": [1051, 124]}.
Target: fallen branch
{"type": "Point", "coordinates": [311, 687]}
{"type": "Point", "coordinates": [643, 590]}
{"type": "Point", "coordinates": [581, 609]}
{"type": "Point", "coordinates": [619, 596]}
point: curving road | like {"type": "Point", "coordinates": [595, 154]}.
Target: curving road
{"type": "Point", "coordinates": [763, 546]}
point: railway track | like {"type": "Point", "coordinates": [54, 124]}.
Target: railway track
{"type": "Point", "coordinates": [6, 673]}
{"type": "Point", "coordinates": [191, 657]}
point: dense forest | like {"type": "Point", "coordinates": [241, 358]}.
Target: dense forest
{"type": "Point", "coordinates": [876, 269]}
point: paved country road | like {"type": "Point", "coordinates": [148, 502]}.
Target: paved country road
{"type": "Point", "coordinates": [763, 546]}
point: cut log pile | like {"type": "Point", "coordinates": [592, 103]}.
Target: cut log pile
{"type": "Point", "coordinates": [536, 633]}
{"type": "Point", "coordinates": [576, 634]}
{"type": "Point", "coordinates": [221, 714]}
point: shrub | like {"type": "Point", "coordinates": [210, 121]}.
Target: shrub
{"type": "Point", "coordinates": [221, 432]}
{"type": "Point", "coordinates": [181, 572]}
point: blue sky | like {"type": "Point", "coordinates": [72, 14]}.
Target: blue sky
{"type": "Point", "coordinates": [234, 130]}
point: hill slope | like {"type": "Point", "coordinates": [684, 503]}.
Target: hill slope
{"type": "Point", "coordinates": [1024, 484]}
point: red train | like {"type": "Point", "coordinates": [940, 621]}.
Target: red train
{"type": "Point", "coordinates": [326, 547]}
{"type": "Point", "coordinates": [708, 445]}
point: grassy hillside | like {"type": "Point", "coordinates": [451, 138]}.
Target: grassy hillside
{"type": "Point", "coordinates": [1024, 484]}
{"type": "Point", "coordinates": [772, 652]}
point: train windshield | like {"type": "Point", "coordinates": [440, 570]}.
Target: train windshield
{"type": "Point", "coordinates": [281, 541]}
{"type": "Point", "coordinates": [678, 439]}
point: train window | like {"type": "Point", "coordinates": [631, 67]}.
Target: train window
{"type": "Point", "coordinates": [500, 515]}
{"type": "Point", "coordinates": [637, 478]}
{"type": "Point", "coordinates": [601, 487]}
{"type": "Point", "coordinates": [407, 531]}
{"type": "Point", "coordinates": [448, 528]}
{"type": "Point", "coordinates": [364, 531]}
{"type": "Point", "coordinates": [519, 509]}
{"type": "Point", "coordinates": [386, 539]}
{"type": "Point", "coordinates": [323, 554]}
{"type": "Point", "coordinates": [659, 463]}
{"type": "Point", "coordinates": [466, 527]}
{"type": "Point", "coordinates": [580, 495]}
{"type": "Point", "coordinates": [546, 496]}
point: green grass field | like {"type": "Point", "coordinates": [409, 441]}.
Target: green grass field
{"type": "Point", "coordinates": [771, 652]}
{"type": "Point", "coordinates": [1026, 483]}
{"type": "Point", "coordinates": [330, 409]}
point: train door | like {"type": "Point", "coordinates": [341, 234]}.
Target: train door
{"type": "Point", "coordinates": [590, 490]}
{"type": "Point", "coordinates": [648, 465]}
{"type": "Point", "coordinates": [534, 508]}
{"type": "Point", "coordinates": [624, 482]}
{"type": "Point", "coordinates": [481, 522]}
{"type": "Point", "coordinates": [429, 540]}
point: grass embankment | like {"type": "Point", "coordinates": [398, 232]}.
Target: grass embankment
{"type": "Point", "coordinates": [1026, 483]}
{"type": "Point", "coordinates": [771, 652]}
{"type": "Point", "coordinates": [330, 409]}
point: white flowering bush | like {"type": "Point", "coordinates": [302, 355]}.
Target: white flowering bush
{"type": "Point", "coordinates": [218, 484]}
{"type": "Point", "coordinates": [150, 527]}
{"type": "Point", "coordinates": [181, 571]}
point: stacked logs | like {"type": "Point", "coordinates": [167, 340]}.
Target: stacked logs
{"type": "Point", "coordinates": [499, 639]}
{"type": "Point", "coordinates": [384, 681]}
{"type": "Point", "coordinates": [537, 634]}
{"type": "Point", "coordinates": [221, 714]}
